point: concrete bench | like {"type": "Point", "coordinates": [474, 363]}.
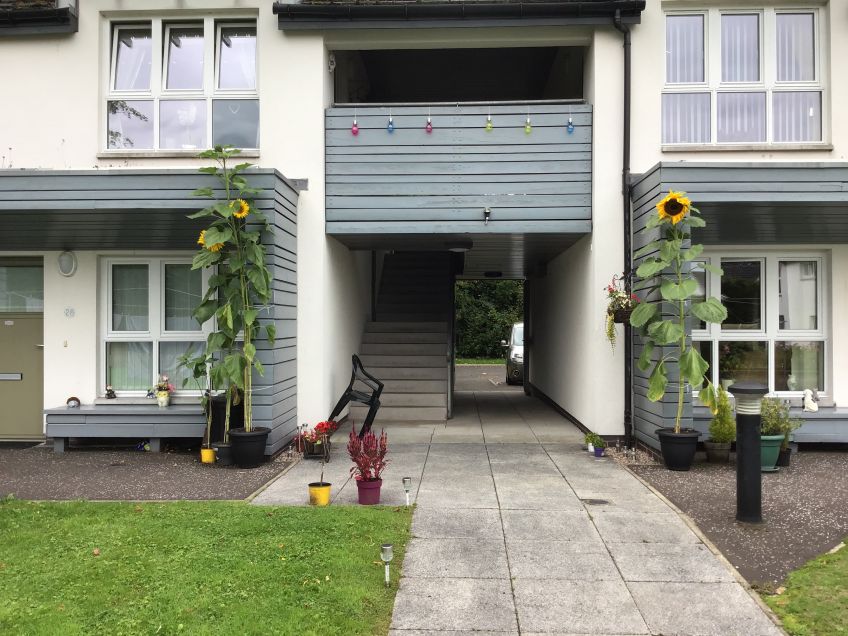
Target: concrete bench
{"type": "Point", "coordinates": [144, 421]}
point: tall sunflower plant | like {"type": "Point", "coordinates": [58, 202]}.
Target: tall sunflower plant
{"type": "Point", "coordinates": [662, 321]}
{"type": "Point", "coordinates": [239, 286]}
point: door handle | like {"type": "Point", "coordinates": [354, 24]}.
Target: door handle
{"type": "Point", "coordinates": [39, 346]}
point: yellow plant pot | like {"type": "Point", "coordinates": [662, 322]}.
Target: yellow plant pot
{"type": "Point", "coordinates": [319, 494]}
{"type": "Point", "coordinates": [207, 455]}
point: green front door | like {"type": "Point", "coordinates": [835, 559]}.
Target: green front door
{"type": "Point", "coordinates": [21, 349]}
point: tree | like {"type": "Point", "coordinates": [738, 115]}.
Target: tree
{"type": "Point", "coordinates": [485, 312]}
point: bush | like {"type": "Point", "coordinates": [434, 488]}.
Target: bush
{"type": "Point", "coordinates": [485, 313]}
{"type": "Point", "coordinates": [776, 420]}
{"type": "Point", "coordinates": [723, 424]}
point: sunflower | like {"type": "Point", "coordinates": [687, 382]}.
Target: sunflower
{"type": "Point", "coordinates": [201, 240]}
{"type": "Point", "coordinates": [243, 208]}
{"type": "Point", "coordinates": [674, 207]}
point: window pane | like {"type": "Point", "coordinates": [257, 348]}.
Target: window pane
{"type": "Point", "coordinates": [742, 362]}
{"type": "Point", "coordinates": [129, 365]}
{"type": "Point", "coordinates": [741, 117]}
{"type": "Point", "coordinates": [133, 58]}
{"type": "Point", "coordinates": [130, 124]}
{"type": "Point", "coordinates": [183, 291]}
{"type": "Point", "coordinates": [684, 36]}
{"type": "Point", "coordinates": [686, 118]}
{"type": "Point", "coordinates": [21, 289]}
{"type": "Point", "coordinates": [797, 116]}
{"type": "Point", "coordinates": [169, 353]}
{"type": "Point", "coordinates": [740, 48]}
{"type": "Point", "coordinates": [740, 293]}
{"type": "Point", "coordinates": [705, 348]}
{"type": "Point", "coordinates": [798, 366]}
{"type": "Point", "coordinates": [796, 47]}
{"type": "Point", "coordinates": [235, 122]}
{"type": "Point", "coordinates": [798, 295]}
{"type": "Point", "coordinates": [700, 294]}
{"type": "Point", "coordinates": [185, 58]}
{"type": "Point", "coordinates": [182, 124]}
{"type": "Point", "coordinates": [237, 63]}
{"type": "Point", "coordinates": [129, 298]}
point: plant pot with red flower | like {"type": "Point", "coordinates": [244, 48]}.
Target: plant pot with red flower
{"type": "Point", "coordinates": [368, 455]}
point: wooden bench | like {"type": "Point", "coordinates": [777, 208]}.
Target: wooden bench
{"type": "Point", "coordinates": [142, 421]}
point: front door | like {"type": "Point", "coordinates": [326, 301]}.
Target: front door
{"type": "Point", "coordinates": [21, 350]}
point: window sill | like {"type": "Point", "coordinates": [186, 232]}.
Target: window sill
{"type": "Point", "coordinates": [743, 147]}
{"type": "Point", "coordinates": [144, 401]}
{"type": "Point", "coordinates": [163, 154]}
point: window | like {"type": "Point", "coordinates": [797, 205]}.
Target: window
{"type": "Point", "coordinates": [774, 332]}
{"type": "Point", "coordinates": [182, 86]}
{"type": "Point", "coordinates": [148, 305]}
{"type": "Point", "coordinates": [742, 77]}
{"type": "Point", "coordinates": [21, 286]}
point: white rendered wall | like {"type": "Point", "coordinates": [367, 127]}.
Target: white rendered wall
{"type": "Point", "coordinates": [54, 122]}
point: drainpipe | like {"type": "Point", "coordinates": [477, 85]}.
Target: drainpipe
{"type": "Point", "coordinates": [628, 248]}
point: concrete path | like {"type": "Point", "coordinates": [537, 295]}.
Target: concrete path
{"type": "Point", "coordinates": [518, 531]}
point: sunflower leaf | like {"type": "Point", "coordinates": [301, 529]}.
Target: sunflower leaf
{"type": "Point", "coordinates": [217, 234]}
{"type": "Point", "coordinates": [696, 221]}
{"type": "Point", "coordinates": [665, 332]}
{"type": "Point", "coordinates": [643, 313]}
{"type": "Point", "coordinates": [693, 252]}
{"type": "Point", "coordinates": [711, 310]}
{"type": "Point", "coordinates": [645, 357]}
{"type": "Point", "coordinates": [692, 365]}
{"type": "Point", "coordinates": [708, 398]}
{"type": "Point", "coordinates": [651, 268]}
{"type": "Point", "coordinates": [670, 249]}
{"type": "Point", "coordinates": [646, 249]}
{"type": "Point", "coordinates": [657, 382]}
{"type": "Point", "coordinates": [682, 291]}
{"type": "Point", "coordinates": [204, 258]}
{"type": "Point", "coordinates": [714, 269]}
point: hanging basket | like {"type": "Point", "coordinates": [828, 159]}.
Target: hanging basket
{"type": "Point", "coordinates": [621, 316]}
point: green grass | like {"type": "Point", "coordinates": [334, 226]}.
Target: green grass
{"type": "Point", "coordinates": [815, 601]}
{"type": "Point", "coordinates": [196, 568]}
{"type": "Point", "coordinates": [500, 361]}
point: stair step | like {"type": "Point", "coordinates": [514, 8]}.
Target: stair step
{"type": "Point", "coordinates": [385, 374]}
{"type": "Point", "coordinates": [404, 348]}
{"type": "Point", "coordinates": [401, 413]}
{"type": "Point", "coordinates": [395, 316]}
{"type": "Point", "coordinates": [372, 360]}
{"type": "Point", "coordinates": [401, 336]}
{"type": "Point", "coordinates": [414, 399]}
{"type": "Point", "coordinates": [407, 327]}
{"type": "Point", "coordinates": [414, 386]}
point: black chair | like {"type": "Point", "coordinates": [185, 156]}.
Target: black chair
{"type": "Point", "coordinates": [353, 395]}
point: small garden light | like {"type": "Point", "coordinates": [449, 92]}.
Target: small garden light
{"type": "Point", "coordinates": [386, 554]}
{"type": "Point", "coordinates": [407, 486]}
{"type": "Point", "coordinates": [749, 496]}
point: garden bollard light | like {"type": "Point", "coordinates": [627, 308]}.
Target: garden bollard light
{"type": "Point", "coordinates": [386, 554]}
{"type": "Point", "coordinates": [407, 486]}
{"type": "Point", "coordinates": [749, 485]}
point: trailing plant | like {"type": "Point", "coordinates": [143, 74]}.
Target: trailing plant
{"type": "Point", "coordinates": [723, 424]}
{"type": "Point", "coordinates": [239, 287]}
{"type": "Point", "coordinates": [670, 272]}
{"type": "Point", "coordinates": [618, 299]}
{"type": "Point", "coordinates": [368, 455]}
{"type": "Point", "coordinates": [775, 420]}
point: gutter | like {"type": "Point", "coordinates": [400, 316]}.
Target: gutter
{"type": "Point", "coordinates": [628, 246]}
{"type": "Point", "coordinates": [315, 14]}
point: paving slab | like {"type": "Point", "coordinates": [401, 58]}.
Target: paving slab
{"type": "Point", "coordinates": [435, 632]}
{"type": "Point", "coordinates": [642, 527]}
{"type": "Point", "coordinates": [588, 607]}
{"type": "Point", "coordinates": [435, 523]}
{"type": "Point", "coordinates": [535, 492]}
{"type": "Point", "coordinates": [454, 604]}
{"type": "Point", "coordinates": [550, 525]}
{"type": "Point", "coordinates": [456, 558]}
{"type": "Point", "coordinates": [702, 609]}
{"type": "Point", "coordinates": [570, 560]}
{"type": "Point", "coordinates": [668, 562]}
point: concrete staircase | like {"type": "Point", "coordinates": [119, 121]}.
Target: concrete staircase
{"type": "Point", "coordinates": [406, 348]}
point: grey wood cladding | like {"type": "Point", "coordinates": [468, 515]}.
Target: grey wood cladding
{"type": "Point", "coordinates": [411, 181]}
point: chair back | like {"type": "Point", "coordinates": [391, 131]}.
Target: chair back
{"type": "Point", "coordinates": [360, 374]}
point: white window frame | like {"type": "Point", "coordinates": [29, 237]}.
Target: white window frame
{"type": "Point", "coordinates": [768, 84]}
{"type": "Point", "coordinates": [155, 332]}
{"type": "Point", "coordinates": [209, 93]}
{"type": "Point", "coordinates": [771, 333]}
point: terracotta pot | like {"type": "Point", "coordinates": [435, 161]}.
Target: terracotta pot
{"type": "Point", "coordinates": [369, 491]}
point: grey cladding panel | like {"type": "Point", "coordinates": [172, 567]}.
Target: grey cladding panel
{"type": "Point", "coordinates": [410, 181]}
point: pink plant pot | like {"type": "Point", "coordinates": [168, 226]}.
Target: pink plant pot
{"type": "Point", "coordinates": [369, 492]}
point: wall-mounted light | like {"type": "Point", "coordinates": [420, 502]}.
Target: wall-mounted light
{"type": "Point", "coordinates": [487, 214]}
{"type": "Point", "coordinates": [459, 246]}
{"type": "Point", "coordinates": [67, 263]}
{"type": "Point", "coordinates": [386, 554]}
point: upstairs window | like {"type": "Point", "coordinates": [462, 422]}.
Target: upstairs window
{"type": "Point", "coordinates": [182, 86]}
{"type": "Point", "coordinates": [743, 77]}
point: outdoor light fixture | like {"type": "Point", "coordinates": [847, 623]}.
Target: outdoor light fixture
{"type": "Point", "coordinates": [749, 481]}
{"type": "Point", "coordinates": [67, 264]}
{"type": "Point", "coordinates": [407, 486]}
{"type": "Point", "coordinates": [459, 246]}
{"type": "Point", "coordinates": [487, 214]}
{"type": "Point", "coordinates": [386, 554]}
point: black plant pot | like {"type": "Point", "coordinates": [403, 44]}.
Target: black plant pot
{"type": "Point", "coordinates": [224, 454]}
{"type": "Point", "coordinates": [784, 457]}
{"type": "Point", "coordinates": [249, 446]}
{"type": "Point", "coordinates": [218, 404]}
{"type": "Point", "coordinates": [678, 449]}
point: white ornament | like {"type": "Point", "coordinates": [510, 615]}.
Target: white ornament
{"type": "Point", "coordinates": [810, 400]}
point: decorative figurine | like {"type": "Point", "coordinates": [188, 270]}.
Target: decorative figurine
{"type": "Point", "coordinates": [810, 401]}
{"type": "Point", "coordinates": [110, 392]}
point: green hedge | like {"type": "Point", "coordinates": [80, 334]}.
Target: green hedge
{"type": "Point", "coordinates": [485, 312]}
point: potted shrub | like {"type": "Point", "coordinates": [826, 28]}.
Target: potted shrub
{"type": "Point", "coordinates": [163, 390]}
{"type": "Point", "coordinates": [599, 445]}
{"type": "Point", "coordinates": [316, 443]}
{"type": "Point", "coordinates": [620, 304]}
{"type": "Point", "coordinates": [239, 289]}
{"type": "Point", "coordinates": [589, 438]}
{"type": "Point", "coordinates": [369, 460]}
{"type": "Point", "coordinates": [662, 320]}
{"type": "Point", "coordinates": [722, 429]}
{"type": "Point", "coordinates": [775, 430]}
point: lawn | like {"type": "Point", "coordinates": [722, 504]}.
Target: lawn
{"type": "Point", "coordinates": [196, 568]}
{"type": "Point", "coordinates": [815, 601]}
{"type": "Point", "coordinates": [480, 361]}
